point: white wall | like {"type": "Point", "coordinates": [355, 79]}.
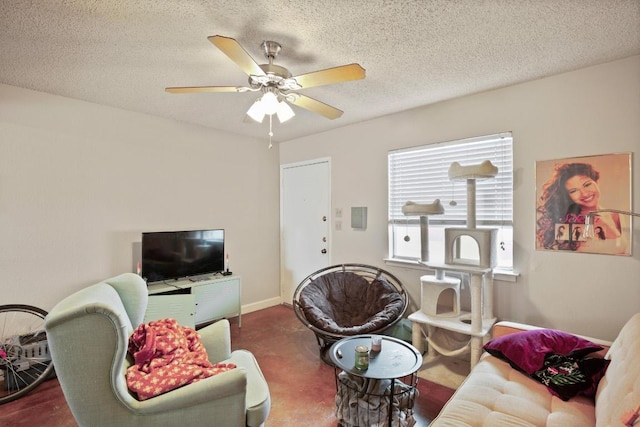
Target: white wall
{"type": "Point", "coordinates": [586, 112]}
{"type": "Point", "coordinates": [79, 182]}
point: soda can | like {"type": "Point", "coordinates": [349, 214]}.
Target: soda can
{"type": "Point", "coordinates": [362, 357]}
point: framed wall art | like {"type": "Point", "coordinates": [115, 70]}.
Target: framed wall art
{"type": "Point", "coordinates": [568, 189]}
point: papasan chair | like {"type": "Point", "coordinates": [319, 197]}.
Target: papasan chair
{"type": "Point", "coordinates": [349, 299]}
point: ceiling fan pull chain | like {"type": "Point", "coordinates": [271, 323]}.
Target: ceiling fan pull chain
{"type": "Point", "coordinates": [270, 130]}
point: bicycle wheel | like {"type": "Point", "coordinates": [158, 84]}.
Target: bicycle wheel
{"type": "Point", "coordinates": [24, 354]}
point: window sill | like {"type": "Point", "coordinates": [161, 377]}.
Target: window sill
{"type": "Point", "coordinates": [498, 274]}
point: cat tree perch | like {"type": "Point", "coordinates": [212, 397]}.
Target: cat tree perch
{"type": "Point", "coordinates": [423, 210]}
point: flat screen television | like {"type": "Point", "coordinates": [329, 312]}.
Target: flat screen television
{"type": "Point", "coordinates": [173, 255]}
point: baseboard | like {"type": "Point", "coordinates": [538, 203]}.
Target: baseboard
{"type": "Point", "coordinates": [248, 308]}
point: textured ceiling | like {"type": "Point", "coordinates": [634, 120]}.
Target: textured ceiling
{"type": "Point", "coordinates": [123, 53]}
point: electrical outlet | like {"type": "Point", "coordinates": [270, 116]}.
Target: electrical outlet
{"type": "Point", "coordinates": [338, 225]}
{"type": "Point", "coordinates": [338, 212]}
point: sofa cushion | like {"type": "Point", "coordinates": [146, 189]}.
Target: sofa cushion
{"type": "Point", "coordinates": [619, 389]}
{"type": "Point", "coordinates": [527, 350]}
{"type": "Point", "coordinates": [497, 395]}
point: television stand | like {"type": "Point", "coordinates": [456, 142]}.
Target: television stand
{"type": "Point", "coordinates": [195, 302]}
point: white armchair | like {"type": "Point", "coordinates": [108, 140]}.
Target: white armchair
{"type": "Point", "coordinates": [88, 336]}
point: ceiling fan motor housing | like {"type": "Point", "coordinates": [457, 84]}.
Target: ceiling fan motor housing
{"type": "Point", "coordinates": [275, 76]}
{"type": "Point", "coordinates": [276, 70]}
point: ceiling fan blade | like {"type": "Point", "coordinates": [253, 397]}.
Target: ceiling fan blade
{"type": "Point", "coordinates": [237, 54]}
{"type": "Point", "coordinates": [202, 89]}
{"type": "Point", "coordinates": [343, 73]}
{"type": "Point", "coordinates": [315, 106]}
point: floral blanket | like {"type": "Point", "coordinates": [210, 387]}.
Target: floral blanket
{"type": "Point", "coordinates": [167, 356]}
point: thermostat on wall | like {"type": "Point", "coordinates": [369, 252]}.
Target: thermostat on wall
{"type": "Point", "coordinates": [359, 218]}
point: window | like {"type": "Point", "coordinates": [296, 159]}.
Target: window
{"type": "Point", "coordinates": [420, 175]}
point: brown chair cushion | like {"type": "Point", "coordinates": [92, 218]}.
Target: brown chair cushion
{"type": "Point", "coordinates": [346, 303]}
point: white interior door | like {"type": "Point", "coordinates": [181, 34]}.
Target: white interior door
{"type": "Point", "coordinates": [304, 222]}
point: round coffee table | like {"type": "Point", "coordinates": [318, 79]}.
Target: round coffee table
{"type": "Point", "coordinates": [387, 387]}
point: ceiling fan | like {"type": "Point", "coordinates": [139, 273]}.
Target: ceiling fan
{"type": "Point", "coordinates": [276, 83]}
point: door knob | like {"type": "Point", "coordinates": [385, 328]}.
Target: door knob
{"type": "Point", "coordinates": [324, 251]}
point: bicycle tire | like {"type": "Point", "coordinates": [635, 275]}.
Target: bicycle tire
{"type": "Point", "coordinates": [24, 354]}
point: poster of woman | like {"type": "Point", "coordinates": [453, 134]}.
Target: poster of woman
{"type": "Point", "coordinates": [568, 189]}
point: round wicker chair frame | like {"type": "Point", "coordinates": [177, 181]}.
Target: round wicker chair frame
{"type": "Point", "coordinates": [370, 273]}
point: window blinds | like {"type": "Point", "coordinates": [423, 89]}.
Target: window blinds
{"type": "Point", "coordinates": [420, 175]}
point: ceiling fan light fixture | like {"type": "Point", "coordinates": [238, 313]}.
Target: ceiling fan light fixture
{"type": "Point", "coordinates": [256, 111]}
{"type": "Point", "coordinates": [284, 112]}
{"type": "Point", "coordinates": [269, 103]}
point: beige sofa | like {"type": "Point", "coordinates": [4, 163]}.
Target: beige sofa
{"type": "Point", "coordinates": [495, 394]}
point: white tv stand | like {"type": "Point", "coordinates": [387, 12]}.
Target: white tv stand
{"type": "Point", "coordinates": [195, 302]}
